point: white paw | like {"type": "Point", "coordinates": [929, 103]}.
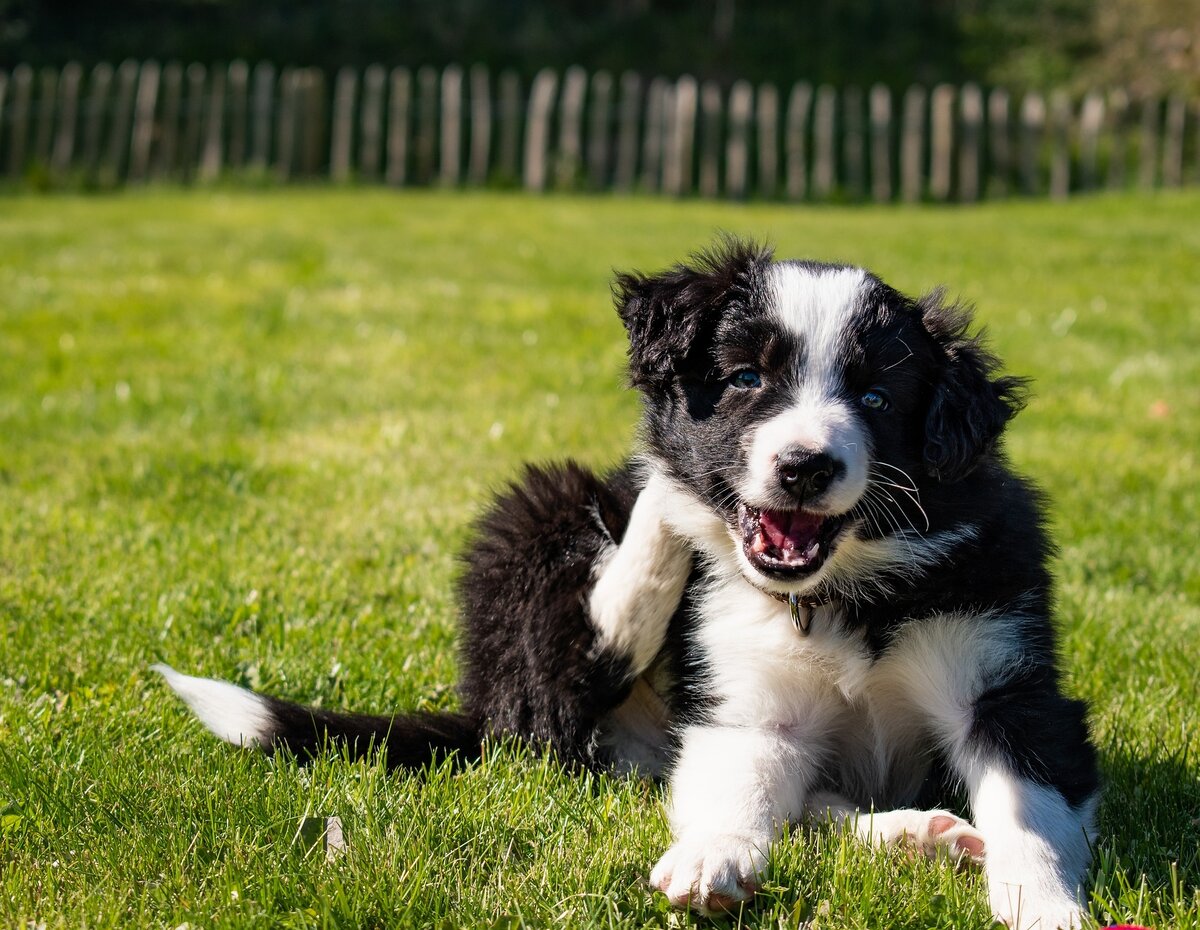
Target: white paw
{"type": "Point", "coordinates": [933, 833]}
{"type": "Point", "coordinates": [711, 874]}
{"type": "Point", "coordinates": [1020, 910]}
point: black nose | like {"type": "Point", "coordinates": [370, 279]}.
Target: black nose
{"type": "Point", "coordinates": [806, 474]}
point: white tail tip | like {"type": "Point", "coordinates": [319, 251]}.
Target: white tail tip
{"type": "Point", "coordinates": [234, 714]}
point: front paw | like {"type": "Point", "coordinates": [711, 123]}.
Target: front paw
{"type": "Point", "coordinates": [711, 874]}
{"type": "Point", "coordinates": [1019, 910]}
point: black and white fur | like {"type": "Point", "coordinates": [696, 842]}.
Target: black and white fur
{"type": "Point", "coordinates": [807, 430]}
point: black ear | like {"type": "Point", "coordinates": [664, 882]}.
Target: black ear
{"type": "Point", "coordinates": [970, 407]}
{"type": "Point", "coordinates": [669, 317]}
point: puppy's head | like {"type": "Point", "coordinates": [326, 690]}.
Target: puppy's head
{"type": "Point", "coordinates": [810, 409]}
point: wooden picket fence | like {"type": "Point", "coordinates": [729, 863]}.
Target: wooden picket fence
{"type": "Point", "coordinates": [142, 122]}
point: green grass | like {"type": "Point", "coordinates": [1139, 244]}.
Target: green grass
{"type": "Point", "coordinates": [245, 433]}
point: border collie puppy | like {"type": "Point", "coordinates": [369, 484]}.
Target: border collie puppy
{"type": "Point", "coordinates": [818, 590]}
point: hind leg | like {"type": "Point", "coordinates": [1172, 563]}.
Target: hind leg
{"type": "Point", "coordinates": [559, 619]}
{"type": "Point", "coordinates": [934, 832]}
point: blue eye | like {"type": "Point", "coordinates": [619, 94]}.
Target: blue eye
{"type": "Point", "coordinates": [874, 400]}
{"type": "Point", "coordinates": [746, 378]}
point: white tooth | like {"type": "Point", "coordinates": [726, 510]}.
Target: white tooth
{"type": "Point", "coordinates": [811, 552]}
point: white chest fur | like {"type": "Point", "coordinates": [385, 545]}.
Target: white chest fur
{"type": "Point", "coordinates": [870, 717]}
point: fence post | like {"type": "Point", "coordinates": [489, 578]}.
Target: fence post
{"type": "Point", "coordinates": [264, 99]}
{"type": "Point", "coordinates": [599, 113]}
{"type": "Point", "coordinates": [766, 113]}
{"type": "Point", "coordinates": [1172, 160]}
{"type": "Point", "coordinates": [316, 121]}
{"type": "Point", "coordinates": [304, 159]}
{"type": "Point", "coordinates": [452, 97]}
{"type": "Point", "coordinates": [687, 99]}
{"type": "Point", "coordinates": [1195, 172]}
{"type": "Point", "coordinates": [239, 79]}
{"type": "Point", "coordinates": [681, 124]}
{"type": "Point", "coordinates": [510, 128]}
{"type": "Point", "coordinates": [18, 138]}
{"type": "Point", "coordinates": [709, 184]}
{"type": "Point", "coordinates": [118, 136]}
{"type": "Point", "coordinates": [853, 147]}
{"type": "Point", "coordinates": [652, 133]}
{"type": "Point", "coordinates": [95, 110]}
{"type": "Point", "coordinates": [481, 126]}
{"type": "Point", "coordinates": [824, 178]}
{"type": "Point", "coordinates": [1091, 119]}
{"type": "Point", "coordinates": [343, 124]}
{"type": "Point", "coordinates": [999, 156]}
{"type": "Point", "coordinates": [912, 145]}
{"type": "Point", "coordinates": [667, 142]}
{"type": "Point", "coordinates": [193, 117]}
{"type": "Point", "coordinates": [677, 172]}
{"type": "Point", "coordinates": [1148, 144]}
{"type": "Point", "coordinates": [799, 105]}
{"type": "Point", "coordinates": [1033, 124]}
{"type": "Point", "coordinates": [68, 117]}
{"type": "Point", "coordinates": [299, 93]}
{"type": "Point", "coordinates": [145, 104]}
{"type": "Point", "coordinates": [880, 104]}
{"type": "Point", "coordinates": [371, 129]}
{"type": "Point", "coordinates": [399, 117]}
{"type": "Point", "coordinates": [210, 162]}
{"type": "Point", "coordinates": [537, 129]}
{"type": "Point", "coordinates": [44, 112]}
{"type": "Point", "coordinates": [1060, 142]}
{"type": "Point", "coordinates": [941, 158]}
{"type": "Point", "coordinates": [167, 150]}
{"type": "Point", "coordinates": [285, 131]}
{"type": "Point", "coordinates": [427, 89]}
{"type": "Point", "coordinates": [569, 158]}
{"type": "Point", "coordinates": [627, 136]}
{"type": "Point", "coordinates": [971, 103]}
{"type": "Point", "coordinates": [1118, 159]}
{"type": "Point", "coordinates": [737, 157]}
{"type": "Point", "coordinates": [3, 100]}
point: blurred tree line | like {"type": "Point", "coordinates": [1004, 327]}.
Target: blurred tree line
{"type": "Point", "coordinates": [1149, 44]}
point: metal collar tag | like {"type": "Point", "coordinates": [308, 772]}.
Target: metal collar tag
{"type": "Point", "coordinates": [802, 613]}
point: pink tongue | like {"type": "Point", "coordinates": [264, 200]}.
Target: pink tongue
{"type": "Point", "coordinates": [790, 529]}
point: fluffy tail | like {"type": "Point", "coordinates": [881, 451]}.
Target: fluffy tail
{"type": "Point", "coordinates": [244, 718]}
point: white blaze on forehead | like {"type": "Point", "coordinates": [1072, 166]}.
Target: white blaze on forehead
{"type": "Point", "coordinates": [817, 305]}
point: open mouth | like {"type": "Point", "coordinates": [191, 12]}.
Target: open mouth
{"type": "Point", "coordinates": [787, 543]}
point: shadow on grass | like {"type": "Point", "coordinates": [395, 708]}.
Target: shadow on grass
{"type": "Point", "coordinates": [1150, 813]}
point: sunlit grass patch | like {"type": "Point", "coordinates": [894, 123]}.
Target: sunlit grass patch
{"type": "Point", "coordinates": [246, 434]}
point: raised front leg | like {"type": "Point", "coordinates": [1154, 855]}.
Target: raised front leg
{"type": "Point", "coordinates": [639, 582]}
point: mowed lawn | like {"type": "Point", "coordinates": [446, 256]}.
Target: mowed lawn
{"type": "Point", "coordinates": [246, 433]}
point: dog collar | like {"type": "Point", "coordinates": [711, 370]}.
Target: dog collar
{"type": "Point", "coordinates": [802, 608]}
